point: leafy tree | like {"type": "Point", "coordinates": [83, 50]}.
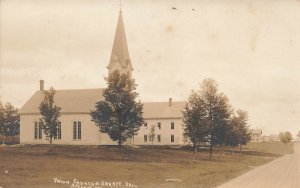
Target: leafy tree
{"type": "Point", "coordinates": [12, 121]}
{"type": "Point", "coordinates": [285, 137]}
{"type": "Point", "coordinates": [218, 111]}
{"type": "Point", "coordinates": [119, 115]}
{"type": "Point", "coordinates": [9, 121]}
{"type": "Point", "coordinates": [232, 137]}
{"type": "Point", "coordinates": [243, 128]}
{"type": "Point", "coordinates": [195, 121]}
{"type": "Point", "coordinates": [238, 133]}
{"type": "Point", "coordinates": [151, 134]}
{"type": "Point", "coordinates": [206, 116]}
{"type": "Point", "coordinates": [50, 114]}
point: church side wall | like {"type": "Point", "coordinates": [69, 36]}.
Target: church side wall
{"type": "Point", "coordinates": [90, 134]}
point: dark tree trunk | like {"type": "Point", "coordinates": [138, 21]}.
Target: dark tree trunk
{"type": "Point", "coordinates": [210, 150]}
{"type": "Point", "coordinates": [194, 151]}
{"type": "Point", "coordinates": [50, 150]}
{"type": "Point", "coordinates": [120, 144]}
{"type": "Point", "coordinates": [232, 150]}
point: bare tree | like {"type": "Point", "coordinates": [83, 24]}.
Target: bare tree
{"type": "Point", "coordinates": [151, 135]}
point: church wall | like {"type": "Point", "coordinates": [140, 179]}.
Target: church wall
{"type": "Point", "coordinates": [27, 130]}
{"type": "Point", "coordinates": [90, 134]}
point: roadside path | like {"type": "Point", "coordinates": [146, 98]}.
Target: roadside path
{"type": "Point", "coordinates": [283, 172]}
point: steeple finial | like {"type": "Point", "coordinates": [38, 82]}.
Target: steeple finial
{"type": "Point", "coordinates": [120, 5]}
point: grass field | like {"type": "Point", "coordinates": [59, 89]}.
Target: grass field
{"type": "Point", "coordinates": [33, 166]}
{"type": "Point", "coordinates": [278, 148]}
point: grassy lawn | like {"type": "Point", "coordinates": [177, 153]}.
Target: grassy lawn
{"type": "Point", "coordinates": [33, 166]}
{"type": "Point", "coordinates": [278, 148]}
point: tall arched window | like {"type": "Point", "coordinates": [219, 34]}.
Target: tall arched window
{"type": "Point", "coordinates": [37, 131]}
{"type": "Point", "coordinates": [76, 130]}
{"type": "Point", "coordinates": [58, 132]}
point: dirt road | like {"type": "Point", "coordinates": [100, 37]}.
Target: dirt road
{"type": "Point", "coordinates": [283, 172]}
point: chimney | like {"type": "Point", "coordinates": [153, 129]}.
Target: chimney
{"type": "Point", "coordinates": [41, 85]}
{"type": "Point", "coordinates": [170, 102]}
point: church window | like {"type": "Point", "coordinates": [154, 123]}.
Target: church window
{"type": "Point", "coordinates": [172, 125]}
{"type": "Point", "coordinates": [145, 124]}
{"type": "Point", "coordinates": [145, 138]}
{"type": "Point", "coordinates": [76, 130]}
{"type": "Point", "coordinates": [58, 132]}
{"type": "Point", "coordinates": [37, 131]}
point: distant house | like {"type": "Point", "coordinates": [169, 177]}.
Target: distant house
{"type": "Point", "coordinates": [76, 127]}
{"type": "Point", "coordinates": [256, 135]}
{"type": "Point", "coordinates": [271, 138]}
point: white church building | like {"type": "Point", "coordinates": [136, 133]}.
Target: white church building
{"type": "Point", "coordinates": [76, 127]}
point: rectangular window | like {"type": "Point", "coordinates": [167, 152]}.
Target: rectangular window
{"type": "Point", "coordinates": [145, 125]}
{"type": "Point", "coordinates": [159, 125]}
{"type": "Point", "coordinates": [172, 138]}
{"type": "Point", "coordinates": [145, 138]}
{"type": "Point", "coordinates": [40, 131]}
{"type": "Point", "coordinates": [158, 138]}
{"type": "Point", "coordinates": [58, 132]}
{"type": "Point", "coordinates": [36, 131]}
{"type": "Point", "coordinates": [77, 130]}
{"type": "Point", "coordinates": [172, 125]}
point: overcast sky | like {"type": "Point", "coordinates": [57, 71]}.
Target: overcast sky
{"type": "Point", "coordinates": [251, 48]}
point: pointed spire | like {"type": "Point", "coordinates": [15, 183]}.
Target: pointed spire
{"type": "Point", "coordinates": [120, 54]}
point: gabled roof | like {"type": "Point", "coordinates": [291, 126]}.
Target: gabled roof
{"type": "Point", "coordinates": [70, 101]}
{"type": "Point", "coordinates": [163, 110]}
{"type": "Point", "coordinates": [82, 101]}
{"type": "Point", "coordinates": [120, 52]}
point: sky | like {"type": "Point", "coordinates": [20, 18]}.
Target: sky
{"type": "Point", "coordinates": [251, 48]}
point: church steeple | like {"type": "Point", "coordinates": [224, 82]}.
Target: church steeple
{"type": "Point", "coordinates": [120, 59]}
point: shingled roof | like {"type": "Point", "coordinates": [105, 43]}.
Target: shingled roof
{"type": "Point", "coordinates": [82, 101]}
